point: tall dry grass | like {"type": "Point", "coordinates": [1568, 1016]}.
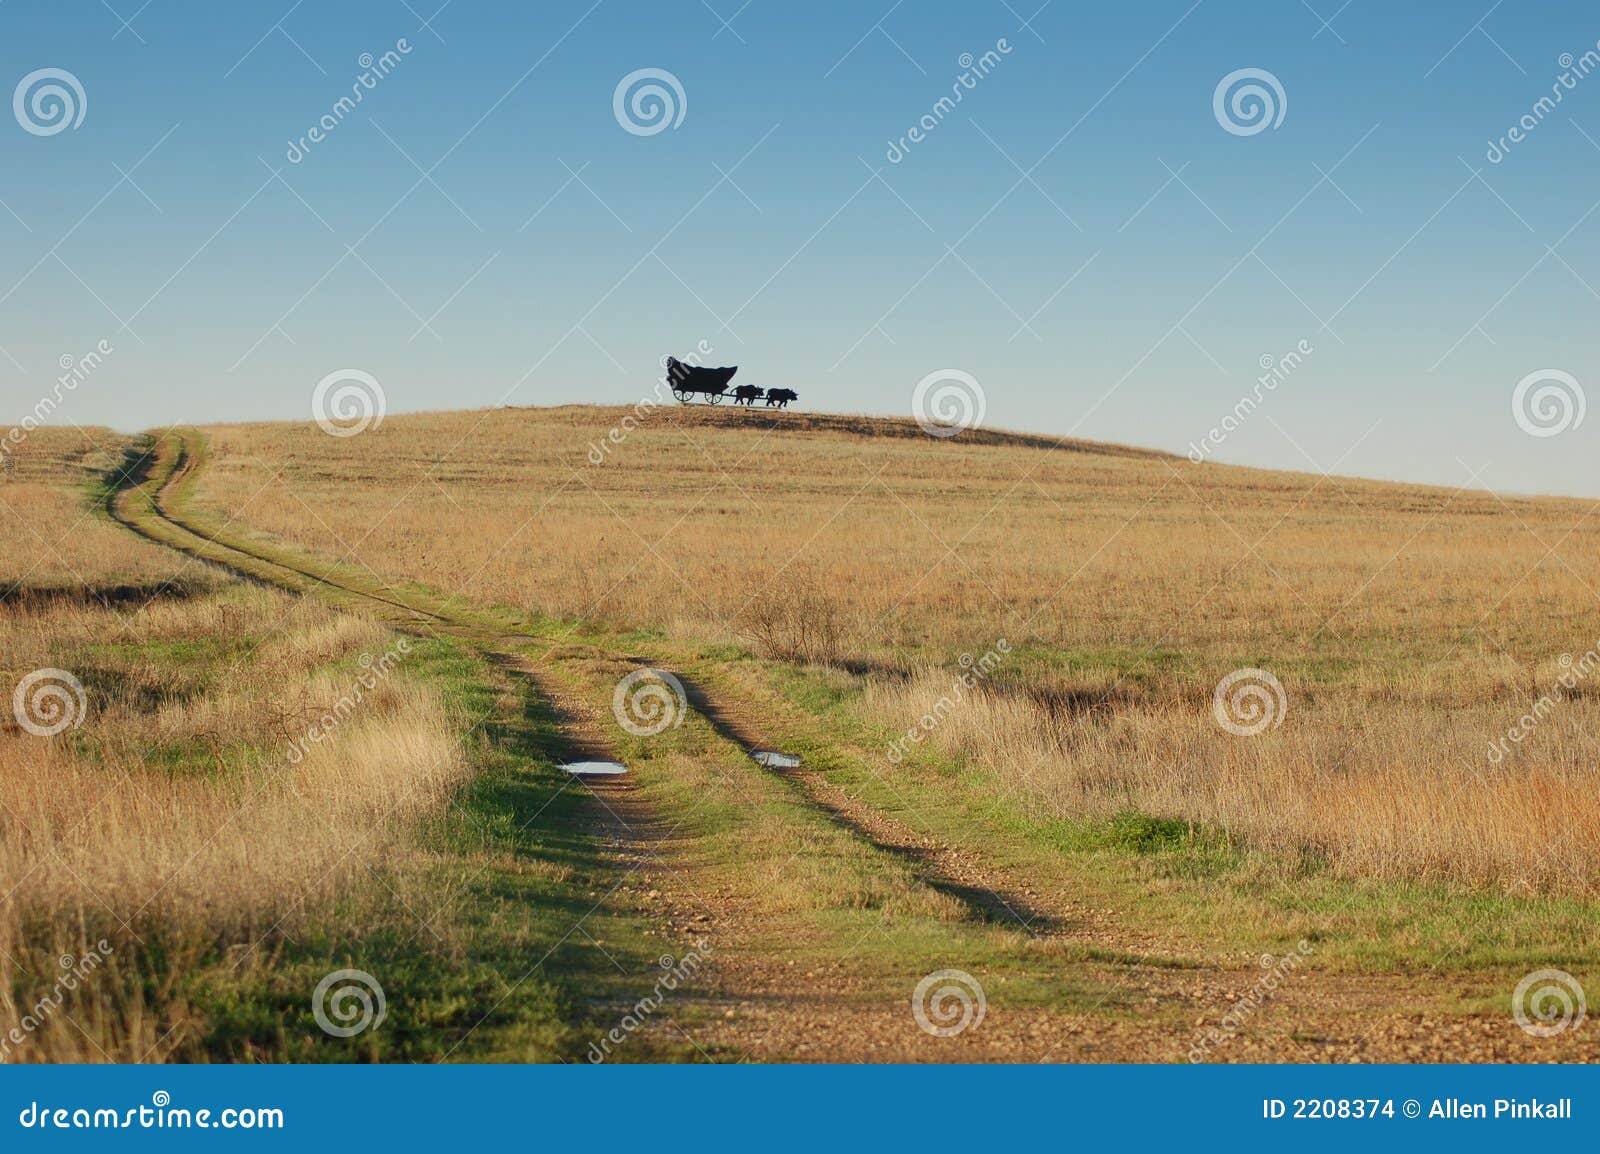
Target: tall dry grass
{"type": "Point", "coordinates": [184, 789]}
{"type": "Point", "coordinates": [1370, 788]}
{"type": "Point", "coordinates": [56, 544]}
{"type": "Point", "coordinates": [180, 823]}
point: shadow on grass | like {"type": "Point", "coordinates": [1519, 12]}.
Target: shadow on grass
{"type": "Point", "coordinates": [517, 956]}
{"type": "Point", "coordinates": [982, 903]}
{"type": "Point", "coordinates": [502, 946]}
{"type": "Point", "coordinates": [44, 598]}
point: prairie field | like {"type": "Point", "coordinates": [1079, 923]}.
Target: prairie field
{"type": "Point", "coordinates": [1121, 736]}
{"type": "Point", "coordinates": [696, 521]}
{"type": "Point", "coordinates": [226, 786]}
{"type": "Point", "coordinates": [1409, 627]}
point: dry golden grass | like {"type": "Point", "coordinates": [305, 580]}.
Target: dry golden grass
{"type": "Point", "coordinates": [698, 515]}
{"type": "Point", "coordinates": [180, 790]}
{"type": "Point", "coordinates": [1385, 791]}
{"type": "Point", "coordinates": [54, 539]}
{"type": "Point", "coordinates": [181, 811]}
{"type": "Point", "coordinates": [1410, 626]}
{"type": "Point", "coordinates": [180, 819]}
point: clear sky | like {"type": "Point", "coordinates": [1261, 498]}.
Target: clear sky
{"type": "Point", "coordinates": [1080, 233]}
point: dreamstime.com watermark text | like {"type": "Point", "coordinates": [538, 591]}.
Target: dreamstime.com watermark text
{"type": "Point", "coordinates": [600, 451]}
{"type": "Point", "coordinates": [675, 971]}
{"type": "Point", "coordinates": [160, 1114]}
{"type": "Point", "coordinates": [373, 69]}
{"type": "Point", "coordinates": [973, 69]}
{"type": "Point", "coordinates": [1277, 970]}
{"type": "Point", "coordinates": [973, 672]}
{"type": "Point", "coordinates": [1274, 372]}
{"type": "Point", "coordinates": [373, 672]}
{"type": "Point", "coordinates": [1573, 69]}
{"type": "Point", "coordinates": [74, 973]}
{"type": "Point", "coordinates": [1574, 673]}
{"type": "Point", "coordinates": [75, 370]}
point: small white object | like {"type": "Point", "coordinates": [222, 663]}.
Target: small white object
{"type": "Point", "coordinates": [595, 768]}
{"type": "Point", "coordinates": [772, 759]}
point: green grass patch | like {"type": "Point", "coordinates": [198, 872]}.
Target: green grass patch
{"type": "Point", "coordinates": [501, 964]}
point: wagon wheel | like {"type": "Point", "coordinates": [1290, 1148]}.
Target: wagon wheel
{"type": "Point", "coordinates": [681, 396]}
{"type": "Point", "coordinates": [715, 398]}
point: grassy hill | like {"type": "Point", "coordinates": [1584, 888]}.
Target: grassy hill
{"type": "Point", "coordinates": [1410, 627]}
{"type": "Point", "coordinates": [1115, 735]}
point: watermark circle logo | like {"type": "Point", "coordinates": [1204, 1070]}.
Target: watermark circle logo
{"type": "Point", "coordinates": [947, 402]}
{"type": "Point", "coordinates": [948, 1002]}
{"type": "Point", "coordinates": [1548, 1002]}
{"type": "Point", "coordinates": [1248, 101]}
{"type": "Point", "coordinates": [648, 101]}
{"type": "Point", "coordinates": [1249, 701]}
{"type": "Point", "coordinates": [1548, 402]}
{"type": "Point", "coordinates": [48, 101]}
{"type": "Point", "coordinates": [649, 701]}
{"type": "Point", "coordinates": [347, 402]}
{"type": "Point", "coordinates": [347, 1002]}
{"type": "Point", "coordinates": [49, 701]}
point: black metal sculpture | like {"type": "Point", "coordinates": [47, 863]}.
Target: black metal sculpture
{"type": "Point", "coordinates": [690, 381]}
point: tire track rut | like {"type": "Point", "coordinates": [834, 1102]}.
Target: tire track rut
{"type": "Point", "coordinates": [939, 866]}
{"type": "Point", "coordinates": [757, 1007]}
{"type": "Point", "coordinates": [936, 864]}
{"type": "Point", "coordinates": [636, 838]}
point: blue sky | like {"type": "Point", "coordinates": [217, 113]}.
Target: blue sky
{"type": "Point", "coordinates": [1080, 234]}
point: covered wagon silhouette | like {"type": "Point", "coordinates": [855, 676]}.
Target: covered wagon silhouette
{"type": "Point", "coordinates": [690, 381]}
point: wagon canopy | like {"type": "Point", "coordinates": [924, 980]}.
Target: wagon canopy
{"type": "Point", "coordinates": [694, 379]}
